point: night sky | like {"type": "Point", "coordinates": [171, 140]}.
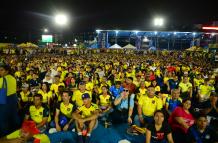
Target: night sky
{"type": "Point", "coordinates": [21, 16]}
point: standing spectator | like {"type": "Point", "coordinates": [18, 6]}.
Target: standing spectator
{"type": "Point", "coordinates": [186, 88]}
{"type": "Point", "coordinates": [9, 120]}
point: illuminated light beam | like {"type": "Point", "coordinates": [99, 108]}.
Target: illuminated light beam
{"type": "Point", "coordinates": [210, 28]}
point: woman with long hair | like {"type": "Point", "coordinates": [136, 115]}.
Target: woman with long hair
{"type": "Point", "coordinates": [159, 131]}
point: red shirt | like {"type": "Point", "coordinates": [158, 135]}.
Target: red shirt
{"type": "Point", "coordinates": [180, 112]}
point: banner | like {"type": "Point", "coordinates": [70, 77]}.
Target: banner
{"type": "Point", "coordinates": [103, 40]}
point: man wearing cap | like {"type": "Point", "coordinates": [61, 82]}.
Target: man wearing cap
{"type": "Point", "coordinates": [86, 115]}
{"type": "Point", "coordinates": [77, 95]}
{"type": "Point", "coordinates": [38, 113]}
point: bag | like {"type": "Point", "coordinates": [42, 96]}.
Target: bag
{"type": "Point", "coordinates": [3, 92]}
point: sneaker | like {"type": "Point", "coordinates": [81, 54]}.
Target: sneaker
{"type": "Point", "coordinates": [80, 139]}
{"type": "Point", "coordinates": [52, 130]}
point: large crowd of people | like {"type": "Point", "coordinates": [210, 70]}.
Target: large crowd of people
{"type": "Point", "coordinates": [173, 95]}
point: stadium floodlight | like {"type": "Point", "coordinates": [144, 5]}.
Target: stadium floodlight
{"type": "Point", "coordinates": [116, 31]}
{"type": "Point", "coordinates": [193, 33]}
{"type": "Point", "coordinates": [158, 21]}
{"type": "Point", "coordinates": [45, 30]}
{"type": "Point", "coordinates": [155, 32]}
{"type": "Point", "coordinates": [136, 32]}
{"type": "Point", "coordinates": [98, 31]}
{"type": "Point", "coordinates": [174, 33]}
{"type": "Point", "coordinates": [61, 19]}
{"type": "Point", "coordinates": [213, 34]}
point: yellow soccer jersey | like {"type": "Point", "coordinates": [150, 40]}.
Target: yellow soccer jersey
{"type": "Point", "coordinates": [45, 96]}
{"type": "Point", "coordinates": [87, 112]}
{"type": "Point", "coordinates": [150, 105]}
{"type": "Point", "coordinates": [105, 100]}
{"type": "Point", "coordinates": [41, 137]}
{"type": "Point", "coordinates": [185, 87]}
{"type": "Point", "coordinates": [66, 110]}
{"type": "Point", "coordinates": [54, 87]}
{"type": "Point", "coordinates": [37, 115]}
{"type": "Point", "coordinates": [77, 97]}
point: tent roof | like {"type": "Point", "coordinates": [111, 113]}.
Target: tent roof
{"type": "Point", "coordinates": [115, 46]}
{"type": "Point", "coordinates": [129, 46]}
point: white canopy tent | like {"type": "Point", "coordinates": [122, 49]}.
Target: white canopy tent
{"type": "Point", "coordinates": [115, 46]}
{"type": "Point", "coordinates": [129, 46]}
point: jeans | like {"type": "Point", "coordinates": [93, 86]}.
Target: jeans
{"type": "Point", "coordinates": [146, 120]}
{"type": "Point", "coordinates": [9, 119]}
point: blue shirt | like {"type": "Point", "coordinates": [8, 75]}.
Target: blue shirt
{"type": "Point", "coordinates": [173, 84]}
{"type": "Point", "coordinates": [124, 103]}
{"type": "Point", "coordinates": [115, 91]}
{"type": "Point", "coordinates": [173, 103]}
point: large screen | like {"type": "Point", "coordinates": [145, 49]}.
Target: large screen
{"type": "Point", "coordinates": [47, 38]}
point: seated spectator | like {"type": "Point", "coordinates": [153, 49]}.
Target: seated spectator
{"type": "Point", "coordinates": [63, 115]}
{"type": "Point", "coordinates": [105, 103]}
{"type": "Point", "coordinates": [77, 95]}
{"type": "Point", "coordinates": [124, 104]}
{"type": "Point", "coordinates": [205, 90]}
{"type": "Point", "coordinates": [200, 132]}
{"type": "Point", "coordinates": [158, 131]}
{"type": "Point", "coordinates": [38, 113]}
{"type": "Point", "coordinates": [27, 134]}
{"type": "Point", "coordinates": [116, 89]}
{"type": "Point", "coordinates": [147, 105]}
{"type": "Point", "coordinates": [46, 93]}
{"type": "Point", "coordinates": [186, 88]}
{"type": "Point", "coordinates": [172, 83]}
{"type": "Point", "coordinates": [86, 117]}
{"type": "Point", "coordinates": [34, 81]}
{"type": "Point", "coordinates": [180, 120]}
{"type": "Point", "coordinates": [173, 101]}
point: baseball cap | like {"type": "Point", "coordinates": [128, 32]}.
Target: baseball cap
{"type": "Point", "coordinates": [85, 95]}
{"type": "Point", "coordinates": [82, 83]}
{"type": "Point", "coordinates": [30, 127]}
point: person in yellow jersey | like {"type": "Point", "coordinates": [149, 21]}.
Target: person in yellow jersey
{"type": "Point", "coordinates": [185, 88]}
{"type": "Point", "coordinates": [25, 97]}
{"type": "Point", "coordinates": [9, 119]}
{"type": "Point", "coordinates": [77, 95]}
{"type": "Point", "coordinates": [38, 113]}
{"type": "Point", "coordinates": [56, 84]}
{"type": "Point", "coordinates": [105, 103]}
{"type": "Point", "coordinates": [89, 84]}
{"type": "Point", "coordinates": [63, 115]}
{"type": "Point", "coordinates": [147, 105]}
{"type": "Point", "coordinates": [197, 82]}
{"type": "Point", "coordinates": [86, 116]}
{"type": "Point", "coordinates": [26, 134]}
{"type": "Point", "coordinates": [205, 90]}
{"type": "Point", "coordinates": [46, 93]}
